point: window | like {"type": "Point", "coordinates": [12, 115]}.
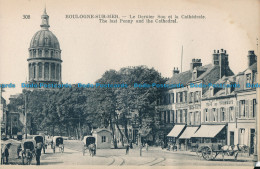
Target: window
{"type": "Point", "coordinates": [181, 97]}
{"type": "Point", "coordinates": [185, 116]}
{"type": "Point", "coordinates": [172, 116]}
{"type": "Point", "coordinates": [191, 118]}
{"type": "Point", "coordinates": [181, 116]}
{"type": "Point", "coordinates": [103, 139]}
{"type": "Point", "coordinates": [172, 97]}
{"type": "Point", "coordinates": [232, 113]}
{"type": "Point", "coordinates": [254, 78]}
{"type": "Point", "coordinates": [223, 115]}
{"type": "Point", "coordinates": [191, 97]}
{"type": "Point", "coordinates": [185, 97]}
{"type": "Point", "coordinates": [40, 70]}
{"type": "Point", "coordinates": [206, 111]}
{"type": "Point", "coordinates": [248, 78]}
{"type": "Point", "coordinates": [242, 109]}
{"type": "Point", "coordinates": [214, 114]}
{"type": "Point", "coordinates": [254, 107]}
{"type": "Point", "coordinates": [168, 116]}
{"type": "Point", "coordinates": [197, 117]}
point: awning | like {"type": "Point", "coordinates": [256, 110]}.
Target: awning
{"type": "Point", "coordinates": [176, 130]}
{"type": "Point", "coordinates": [209, 131]}
{"type": "Point", "coordinates": [188, 132]}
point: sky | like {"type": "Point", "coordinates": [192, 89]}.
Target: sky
{"type": "Point", "coordinates": [89, 48]}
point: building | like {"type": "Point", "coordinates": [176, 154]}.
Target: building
{"type": "Point", "coordinates": [179, 108]}
{"type": "Point", "coordinates": [2, 113]}
{"type": "Point", "coordinates": [243, 131]}
{"type": "Point", "coordinates": [15, 116]}
{"type": "Point", "coordinates": [103, 138]}
{"type": "Point", "coordinates": [44, 62]}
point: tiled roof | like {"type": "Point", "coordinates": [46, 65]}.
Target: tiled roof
{"type": "Point", "coordinates": [182, 78]}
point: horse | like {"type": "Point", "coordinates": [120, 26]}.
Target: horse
{"type": "Point", "coordinates": [92, 149]}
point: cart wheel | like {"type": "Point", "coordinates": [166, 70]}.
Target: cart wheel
{"type": "Point", "coordinates": [207, 153]}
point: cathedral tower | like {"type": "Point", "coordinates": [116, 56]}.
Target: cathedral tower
{"type": "Point", "coordinates": [44, 62]}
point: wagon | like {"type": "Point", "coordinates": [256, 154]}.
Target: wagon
{"type": "Point", "coordinates": [57, 141]}
{"type": "Point", "coordinates": [28, 151]}
{"type": "Point", "coordinates": [40, 139]}
{"type": "Point", "coordinates": [209, 151]}
{"type": "Point", "coordinates": [87, 141]}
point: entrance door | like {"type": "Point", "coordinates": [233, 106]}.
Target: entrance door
{"type": "Point", "coordinates": [252, 137]}
{"type": "Point", "coordinates": [232, 138]}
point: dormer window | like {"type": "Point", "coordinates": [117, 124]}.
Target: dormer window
{"type": "Point", "coordinates": [211, 92]}
{"type": "Point", "coordinates": [254, 77]}
{"type": "Point", "coordinates": [194, 74]}
{"type": "Point", "coordinates": [228, 88]}
{"type": "Point", "coordinates": [248, 78]}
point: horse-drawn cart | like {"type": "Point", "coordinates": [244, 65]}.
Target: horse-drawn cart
{"type": "Point", "coordinates": [209, 151]}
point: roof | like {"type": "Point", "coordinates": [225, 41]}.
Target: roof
{"type": "Point", "coordinates": [176, 130]}
{"type": "Point", "coordinates": [208, 74]}
{"type": "Point", "coordinates": [101, 129]}
{"type": "Point", "coordinates": [208, 131]}
{"type": "Point", "coordinates": [188, 132]}
{"type": "Point", "coordinates": [240, 79]}
{"type": "Point", "coordinates": [46, 39]}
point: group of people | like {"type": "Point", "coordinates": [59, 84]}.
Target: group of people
{"type": "Point", "coordinates": [128, 146]}
{"type": "Point", "coordinates": [5, 153]}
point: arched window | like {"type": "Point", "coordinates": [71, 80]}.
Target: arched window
{"type": "Point", "coordinates": [40, 53]}
{"type": "Point", "coordinates": [40, 70]}
{"type": "Point", "coordinates": [46, 53]}
{"type": "Point", "coordinates": [57, 72]}
{"type": "Point", "coordinates": [46, 70]}
{"type": "Point", "coordinates": [34, 71]}
{"type": "Point", "coordinates": [52, 70]}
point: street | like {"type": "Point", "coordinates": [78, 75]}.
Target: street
{"type": "Point", "coordinates": [155, 156]}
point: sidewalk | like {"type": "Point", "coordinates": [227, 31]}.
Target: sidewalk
{"type": "Point", "coordinates": [241, 156]}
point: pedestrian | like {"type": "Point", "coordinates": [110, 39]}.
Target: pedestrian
{"type": "Point", "coordinates": [127, 148]}
{"type": "Point", "coordinates": [162, 144]}
{"type": "Point", "coordinates": [6, 152]}
{"type": "Point", "coordinates": [131, 144]}
{"type": "Point", "coordinates": [38, 153]}
{"type": "Point", "coordinates": [146, 146]}
{"type": "Point", "coordinates": [19, 149]}
{"type": "Point", "coordinates": [141, 147]}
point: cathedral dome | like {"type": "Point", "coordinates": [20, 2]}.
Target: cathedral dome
{"type": "Point", "coordinates": [44, 39]}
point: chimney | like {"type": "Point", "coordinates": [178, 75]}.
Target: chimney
{"type": "Point", "coordinates": [195, 63]}
{"type": "Point", "coordinates": [251, 58]}
{"type": "Point", "coordinates": [176, 71]}
{"type": "Point", "coordinates": [220, 58]}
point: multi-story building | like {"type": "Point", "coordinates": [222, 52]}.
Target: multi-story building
{"type": "Point", "coordinates": [180, 107]}
{"type": "Point", "coordinates": [229, 111]}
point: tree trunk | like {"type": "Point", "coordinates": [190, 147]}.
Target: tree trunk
{"type": "Point", "coordinates": [113, 133]}
{"type": "Point", "coordinates": [121, 134]}
{"type": "Point", "coordinates": [126, 130]}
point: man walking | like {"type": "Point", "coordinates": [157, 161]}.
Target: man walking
{"type": "Point", "coordinates": [38, 153]}
{"type": "Point", "coordinates": [127, 148]}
